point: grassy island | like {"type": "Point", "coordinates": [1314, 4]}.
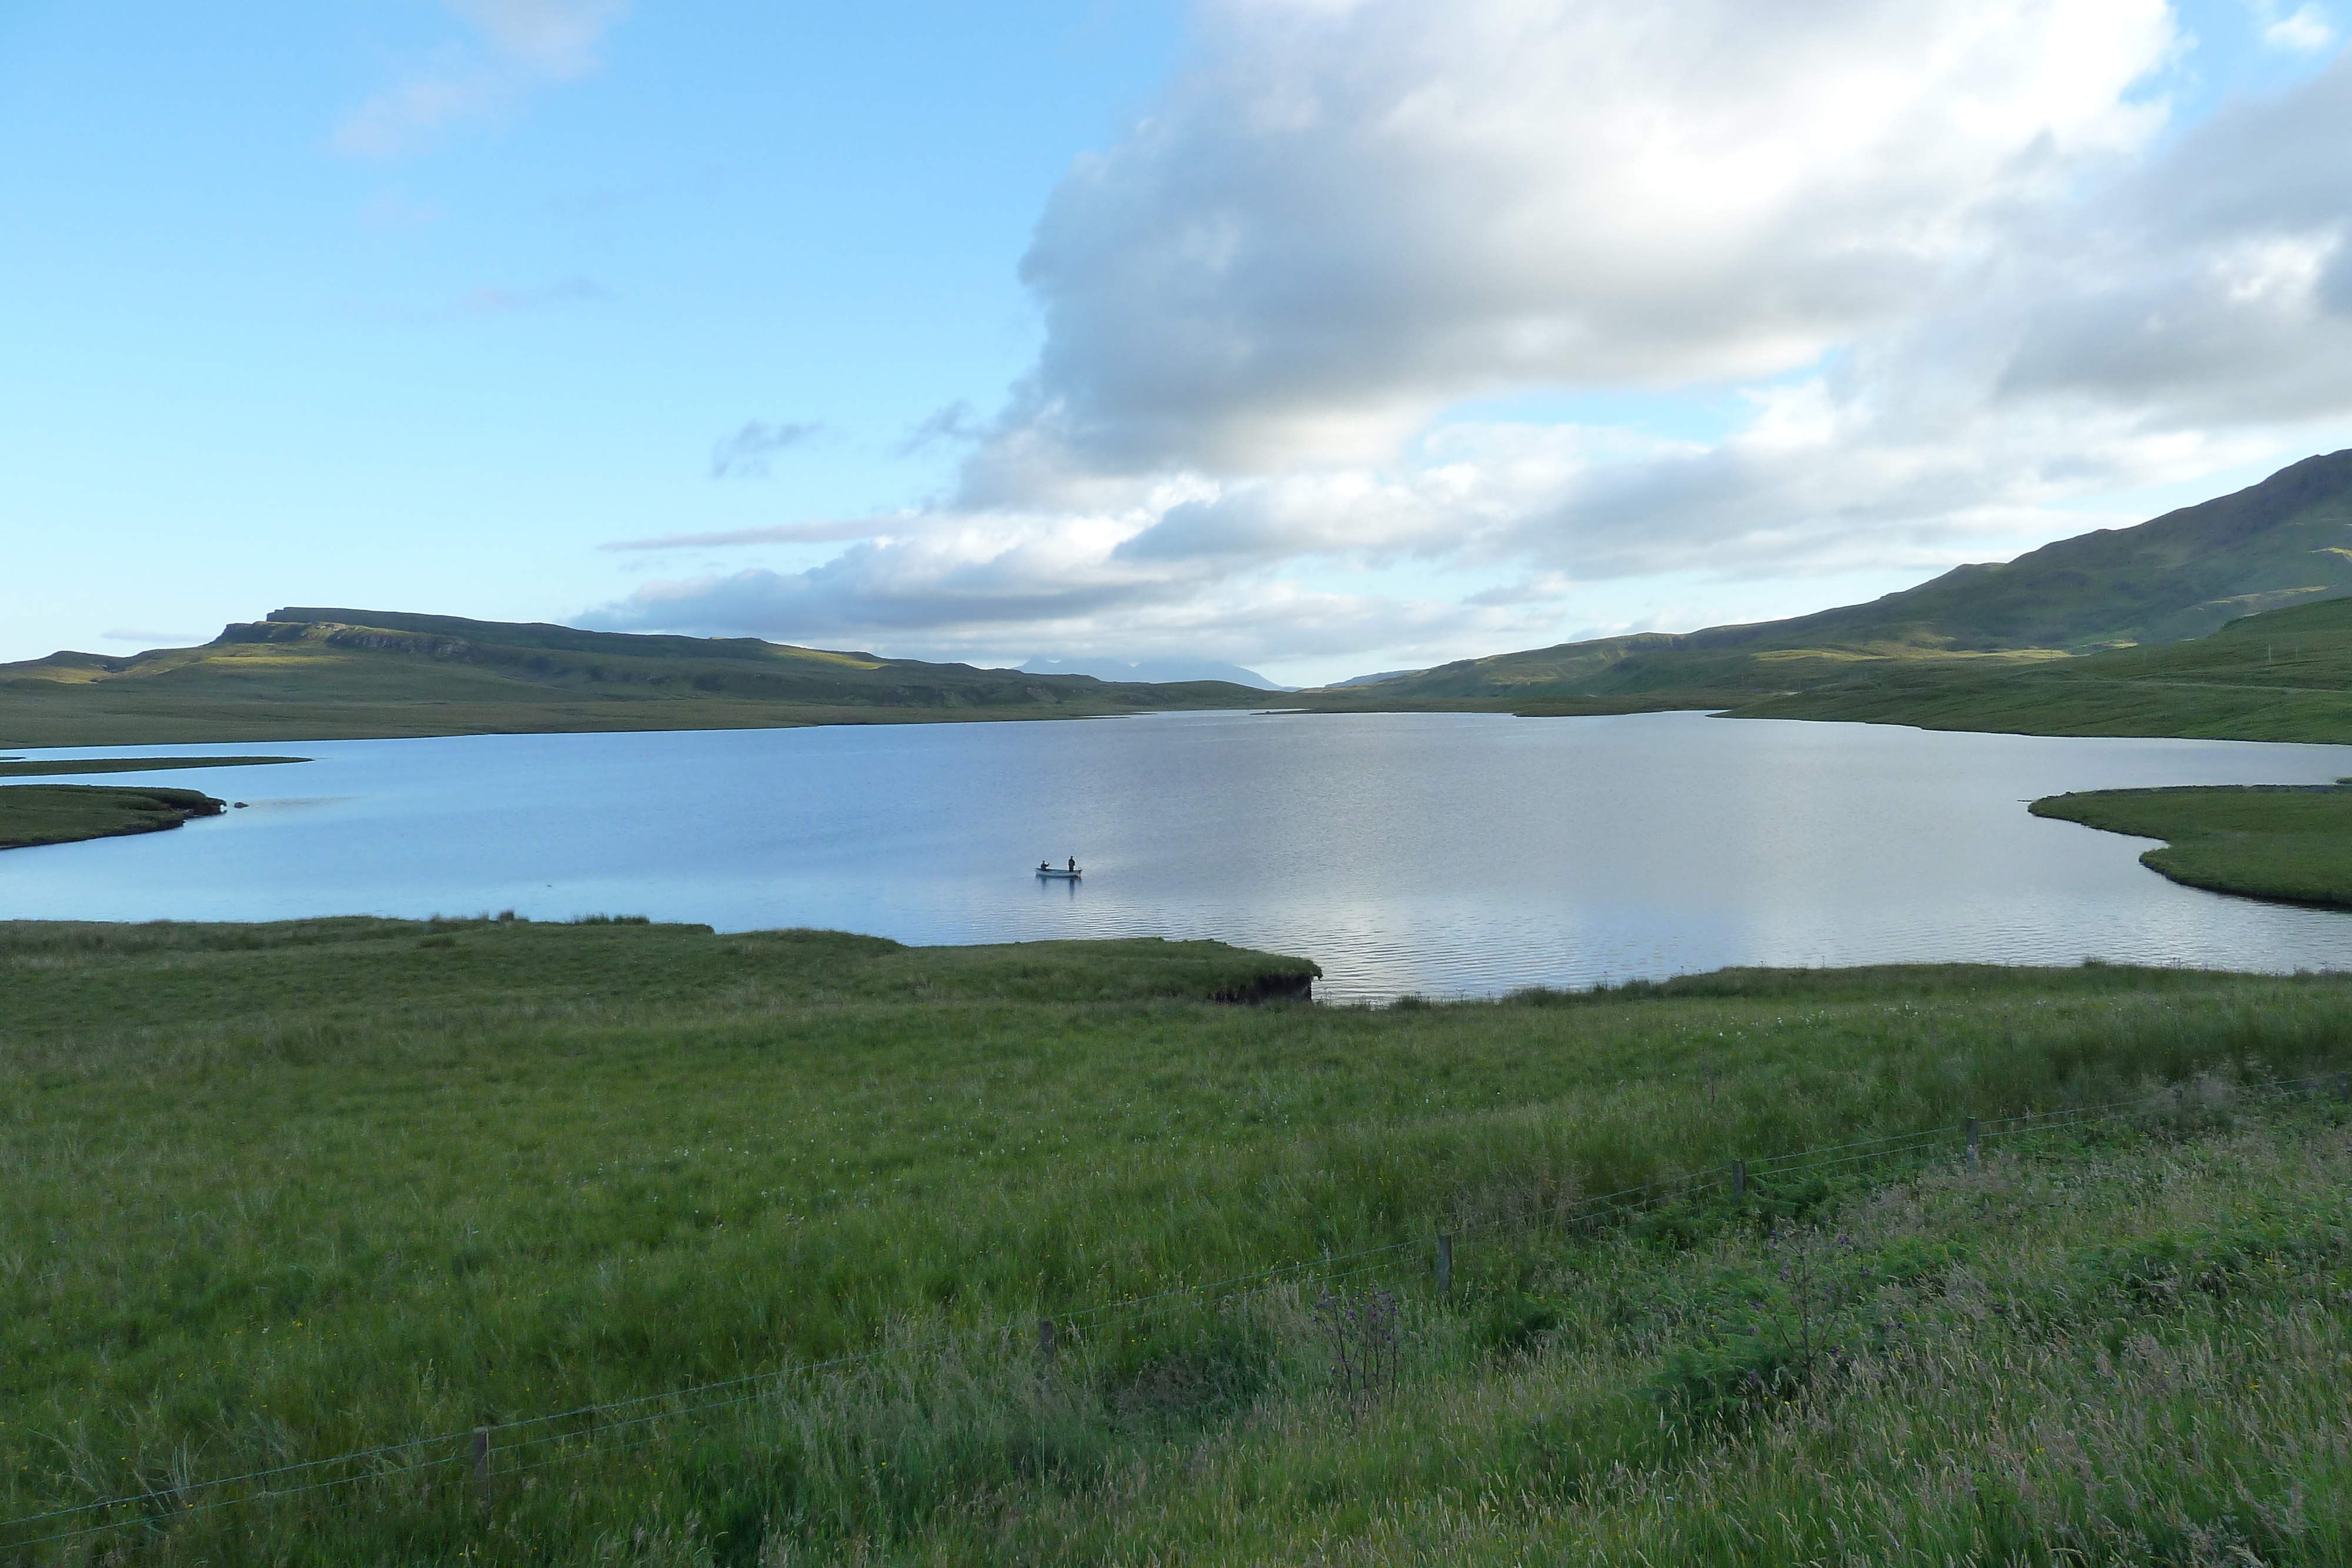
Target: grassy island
{"type": "Point", "coordinates": [2288, 842]}
{"type": "Point", "coordinates": [61, 813]}
{"type": "Point", "coordinates": [282, 1193]}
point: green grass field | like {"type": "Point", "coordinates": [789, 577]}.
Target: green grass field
{"type": "Point", "coordinates": [2276, 841]}
{"type": "Point", "coordinates": [34, 814]}
{"type": "Point", "coordinates": [279, 1193]}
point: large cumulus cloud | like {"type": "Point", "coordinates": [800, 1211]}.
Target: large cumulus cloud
{"type": "Point", "coordinates": [1953, 261]}
{"type": "Point", "coordinates": [1346, 214]}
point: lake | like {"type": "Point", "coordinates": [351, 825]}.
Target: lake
{"type": "Point", "coordinates": [1446, 855]}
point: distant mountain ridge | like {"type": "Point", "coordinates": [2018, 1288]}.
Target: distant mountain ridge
{"type": "Point", "coordinates": [1371, 680]}
{"type": "Point", "coordinates": [2283, 542]}
{"type": "Point", "coordinates": [1155, 670]}
{"type": "Point", "coordinates": [328, 674]}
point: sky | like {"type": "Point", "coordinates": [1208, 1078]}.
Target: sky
{"type": "Point", "coordinates": [1318, 336]}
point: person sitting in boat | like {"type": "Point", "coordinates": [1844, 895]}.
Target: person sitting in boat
{"type": "Point", "coordinates": [1043, 865]}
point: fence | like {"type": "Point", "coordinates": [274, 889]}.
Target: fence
{"type": "Point", "coordinates": [487, 1454]}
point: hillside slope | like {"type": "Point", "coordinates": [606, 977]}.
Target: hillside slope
{"type": "Point", "coordinates": [2286, 541]}
{"type": "Point", "coordinates": [2286, 674]}
{"type": "Point", "coordinates": [360, 674]}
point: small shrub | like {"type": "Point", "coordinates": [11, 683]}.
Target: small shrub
{"type": "Point", "coordinates": [1514, 1321]}
{"type": "Point", "coordinates": [1725, 1380]}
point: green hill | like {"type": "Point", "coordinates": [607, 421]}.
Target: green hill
{"type": "Point", "coordinates": [2285, 542]}
{"type": "Point", "coordinates": [367, 674]}
{"type": "Point", "coordinates": [2282, 675]}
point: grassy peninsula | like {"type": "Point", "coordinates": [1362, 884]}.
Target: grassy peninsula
{"type": "Point", "coordinates": [283, 1192]}
{"type": "Point", "coordinates": [33, 814]}
{"type": "Point", "coordinates": [2288, 842]}
{"type": "Point", "coordinates": [21, 768]}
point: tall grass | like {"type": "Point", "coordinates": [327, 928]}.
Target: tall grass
{"type": "Point", "coordinates": [279, 1193]}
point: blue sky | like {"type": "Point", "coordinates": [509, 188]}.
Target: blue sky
{"type": "Point", "coordinates": [1323, 336]}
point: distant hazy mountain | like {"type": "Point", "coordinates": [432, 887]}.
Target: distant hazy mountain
{"type": "Point", "coordinates": [1370, 680]}
{"type": "Point", "coordinates": [1155, 670]}
{"type": "Point", "coordinates": [2286, 541]}
{"type": "Point", "coordinates": [324, 673]}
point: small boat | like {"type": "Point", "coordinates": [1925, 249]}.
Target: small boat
{"type": "Point", "coordinates": [1070, 875]}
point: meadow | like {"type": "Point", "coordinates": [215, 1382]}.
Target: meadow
{"type": "Point", "coordinates": [277, 1194]}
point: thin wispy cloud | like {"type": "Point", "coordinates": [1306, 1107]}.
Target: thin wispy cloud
{"type": "Point", "coordinates": [492, 300]}
{"type": "Point", "coordinates": [778, 534]}
{"type": "Point", "coordinates": [745, 453]}
{"type": "Point", "coordinates": [955, 422]}
{"type": "Point", "coordinates": [561, 39]}
{"type": "Point", "coordinates": [510, 48]}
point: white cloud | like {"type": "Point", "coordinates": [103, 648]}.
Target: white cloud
{"type": "Point", "coordinates": [985, 596]}
{"type": "Point", "coordinates": [1345, 216]}
{"type": "Point", "coordinates": [2306, 32]}
{"type": "Point", "coordinates": [516, 45]}
{"type": "Point", "coordinates": [1938, 250]}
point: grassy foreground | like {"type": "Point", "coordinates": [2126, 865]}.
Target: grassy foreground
{"type": "Point", "coordinates": [276, 1193]}
{"type": "Point", "coordinates": [2283, 841]}
{"type": "Point", "coordinates": [34, 814]}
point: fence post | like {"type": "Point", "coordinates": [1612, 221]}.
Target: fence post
{"type": "Point", "coordinates": [1044, 1339]}
{"type": "Point", "coordinates": [482, 1466]}
{"type": "Point", "coordinates": [1976, 1136]}
{"type": "Point", "coordinates": [1740, 1179]}
{"type": "Point", "coordinates": [2344, 1086]}
{"type": "Point", "coordinates": [1444, 1262]}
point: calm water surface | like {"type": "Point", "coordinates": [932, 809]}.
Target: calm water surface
{"type": "Point", "coordinates": [1443, 853]}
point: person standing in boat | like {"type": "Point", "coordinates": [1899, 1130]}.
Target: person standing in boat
{"type": "Point", "coordinates": [1074, 862]}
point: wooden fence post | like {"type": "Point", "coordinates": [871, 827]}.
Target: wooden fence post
{"type": "Point", "coordinates": [1044, 1339]}
{"type": "Point", "coordinates": [1740, 1179]}
{"type": "Point", "coordinates": [1444, 1262]}
{"type": "Point", "coordinates": [482, 1466]}
{"type": "Point", "coordinates": [2344, 1086]}
{"type": "Point", "coordinates": [1976, 1135]}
